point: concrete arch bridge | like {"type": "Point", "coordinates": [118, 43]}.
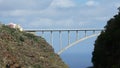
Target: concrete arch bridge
{"type": "Point", "coordinates": [85, 32]}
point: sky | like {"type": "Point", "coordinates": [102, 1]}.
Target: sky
{"type": "Point", "coordinates": [49, 14]}
{"type": "Point", "coordinates": [60, 14]}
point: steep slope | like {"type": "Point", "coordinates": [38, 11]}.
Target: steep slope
{"type": "Point", "coordinates": [24, 50]}
{"type": "Point", "coordinates": [107, 46]}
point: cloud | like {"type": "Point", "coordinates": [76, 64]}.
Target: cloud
{"type": "Point", "coordinates": [62, 3]}
{"type": "Point", "coordinates": [18, 13]}
{"type": "Point", "coordinates": [92, 3]}
{"type": "Point", "coordinates": [24, 4]}
{"type": "Point", "coordinates": [41, 22]}
{"type": "Point", "coordinates": [22, 8]}
{"type": "Point", "coordinates": [46, 22]}
{"type": "Point", "coordinates": [57, 13]}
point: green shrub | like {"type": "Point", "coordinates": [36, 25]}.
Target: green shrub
{"type": "Point", "coordinates": [37, 66]}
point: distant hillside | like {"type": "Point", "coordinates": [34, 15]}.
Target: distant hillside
{"type": "Point", "coordinates": [107, 46]}
{"type": "Point", "coordinates": [24, 50]}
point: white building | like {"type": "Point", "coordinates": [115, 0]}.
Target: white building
{"type": "Point", "coordinates": [16, 26]}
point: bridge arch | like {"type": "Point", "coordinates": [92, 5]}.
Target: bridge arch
{"type": "Point", "coordinates": [76, 42]}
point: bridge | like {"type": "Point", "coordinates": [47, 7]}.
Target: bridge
{"type": "Point", "coordinates": [94, 32]}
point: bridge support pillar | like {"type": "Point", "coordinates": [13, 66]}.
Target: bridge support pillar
{"type": "Point", "coordinates": [51, 38]}
{"type": "Point", "coordinates": [60, 40]}
{"type": "Point", "coordinates": [85, 33]}
{"type": "Point", "coordinates": [76, 35]}
{"type": "Point", "coordinates": [42, 33]}
{"type": "Point", "coordinates": [68, 37]}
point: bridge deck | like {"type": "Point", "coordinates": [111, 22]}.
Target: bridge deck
{"type": "Point", "coordinates": [46, 30]}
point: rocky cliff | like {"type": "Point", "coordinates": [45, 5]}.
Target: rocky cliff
{"type": "Point", "coordinates": [24, 50]}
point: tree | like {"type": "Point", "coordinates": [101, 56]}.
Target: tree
{"type": "Point", "coordinates": [106, 53]}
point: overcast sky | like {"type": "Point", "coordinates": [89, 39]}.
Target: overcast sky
{"type": "Point", "coordinates": [58, 13]}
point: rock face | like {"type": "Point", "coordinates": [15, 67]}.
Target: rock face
{"type": "Point", "coordinates": [107, 46]}
{"type": "Point", "coordinates": [24, 50]}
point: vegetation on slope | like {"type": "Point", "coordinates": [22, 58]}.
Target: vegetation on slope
{"type": "Point", "coordinates": [24, 50]}
{"type": "Point", "coordinates": [107, 46]}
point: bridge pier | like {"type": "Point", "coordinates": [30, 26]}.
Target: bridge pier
{"type": "Point", "coordinates": [60, 40]}
{"type": "Point", "coordinates": [51, 38]}
{"type": "Point", "coordinates": [93, 31]}
{"type": "Point", "coordinates": [85, 33]}
{"type": "Point", "coordinates": [77, 35]}
{"type": "Point", "coordinates": [42, 33]}
{"type": "Point", "coordinates": [68, 37]}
